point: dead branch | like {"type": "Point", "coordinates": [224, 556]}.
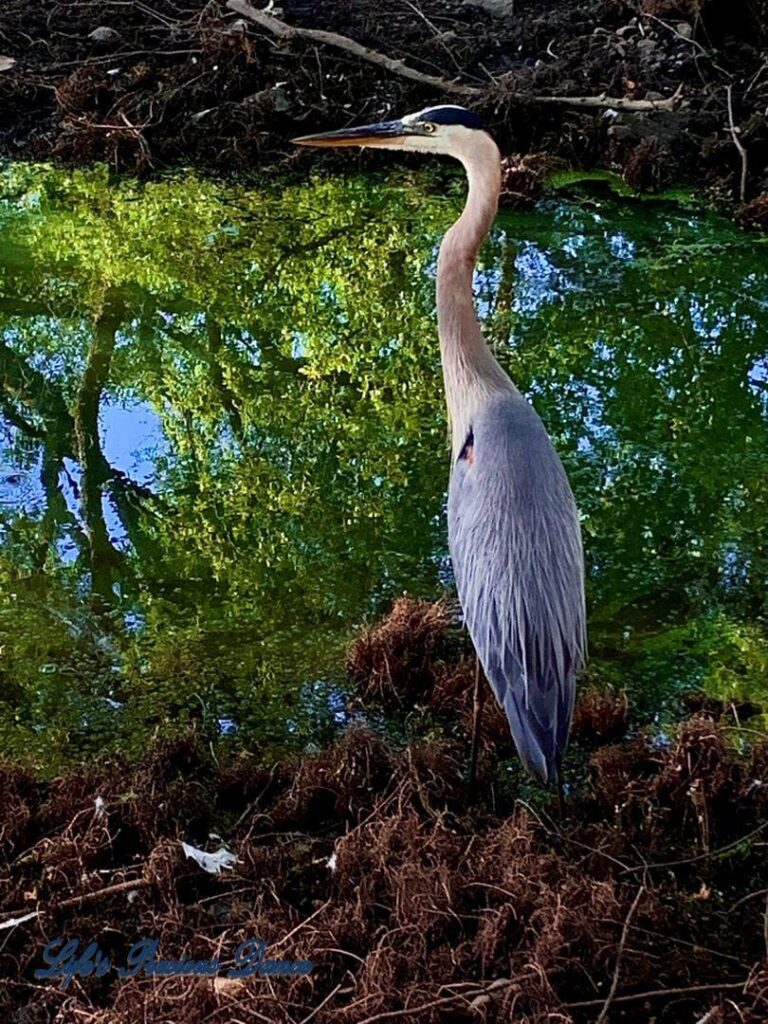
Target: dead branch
{"type": "Point", "coordinates": [301, 925]}
{"type": "Point", "coordinates": [679, 35]}
{"type": "Point", "coordinates": [739, 146]}
{"type": "Point", "coordinates": [410, 1010]}
{"type": "Point", "coordinates": [75, 901]}
{"type": "Point", "coordinates": [479, 993]}
{"type": "Point", "coordinates": [749, 896]}
{"type": "Point", "coordinates": [110, 890]}
{"type": "Point", "coordinates": [603, 102]}
{"type": "Point", "coordinates": [603, 1015]}
{"type": "Point", "coordinates": [318, 1008]}
{"type": "Point", "coordinates": [658, 993]}
{"type": "Point", "coordinates": [14, 922]}
{"type": "Point", "coordinates": [284, 31]}
{"type": "Point", "coordinates": [701, 856]}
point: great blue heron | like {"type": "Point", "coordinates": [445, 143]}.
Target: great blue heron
{"type": "Point", "coordinates": [513, 529]}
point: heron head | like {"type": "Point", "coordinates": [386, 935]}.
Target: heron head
{"type": "Point", "coordinates": [445, 129]}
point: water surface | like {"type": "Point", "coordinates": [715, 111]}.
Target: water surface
{"type": "Point", "coordinates": [223, 445]}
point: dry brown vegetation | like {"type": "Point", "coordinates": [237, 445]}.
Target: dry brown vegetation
{"type": "Point", "coordinates": [648, 903]}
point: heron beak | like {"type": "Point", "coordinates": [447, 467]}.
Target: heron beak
{"type": "Point", "coordinates": [386, 133]}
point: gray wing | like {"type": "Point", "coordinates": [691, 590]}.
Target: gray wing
{"type": "Point", "coordinates": [515, 543]}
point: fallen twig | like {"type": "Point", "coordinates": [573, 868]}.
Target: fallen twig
{"type": "Point", "coordinates": [686, 39]}
{"type": "Point", "coordinates": [477, 997]}
{"type": "Point", "coordinates": [749, 896]}
{"type": "Point", "coordinates": [755, 77]}
{"type": "Point", "coordinates": [603, 102]}
{"type": "Point", "coordinates": [678, 941]}
{"type": "Point", "coordinates": [110, 890]}
{"type": "Point", "coordinates": [658, 993]}
{"type": "Point", "coordinates": [739, 146]}
{"type": "Point", "coordinates": [282, 30]}
{"type": "Point", "coordinates": [301, 925]}
{"type": "Point", "coordinates": [75, 901]}
{"type": "Point", "coordinates": [603, 1015]}
{"type": "Point", "coordinates": [13, 922]}
{"type": "Point", "coordinates": [318, 1008]}
{"type": "Point", "coordinates": [409, 1011]}
{"type": "Point", "coordinates": [700, 856]}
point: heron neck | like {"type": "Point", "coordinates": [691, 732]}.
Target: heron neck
{"type": "Point", "coordinates": [469, 367]}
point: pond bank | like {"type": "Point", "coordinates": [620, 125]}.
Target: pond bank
{"type": "Point", "coordinates": [367, 859]}
{"type": "Point", "coordinates": [151, 86]}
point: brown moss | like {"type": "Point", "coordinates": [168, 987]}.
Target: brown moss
{"type": "Point", "coordinates": [699, 783]}
{"type": "Point", "coordinates": [337, 784]}
{"type": "Point", "coordinates": [422, 895]}
{"type": "Point", "coordinates": [395, 662]}
{"type": "Point", "coordinates": [620, 772]}
{"type": "Point", "coordinates": [366, 858]}
{"type": "Point", "coordinates": [600, 717]}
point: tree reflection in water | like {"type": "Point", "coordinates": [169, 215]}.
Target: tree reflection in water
{"type": "Point", "coordinates": [223, 440]}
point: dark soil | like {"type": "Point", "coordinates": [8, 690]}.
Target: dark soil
{"type": "Point", "coordinates": [156, 84]}
{"type": "Point", "coordinates": [367, 859]}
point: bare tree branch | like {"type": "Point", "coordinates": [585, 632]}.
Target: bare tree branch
{"type": "Point", "coordinates": [603, 102]}
{"type": "Point", "coordinates": [284, 31]}
{"type": "Point", "coordinates": [603, 1016]}
{"type": "Point", "coordinates": [661, 993]}
{"type": "Point", "coordinates": [738, 144]}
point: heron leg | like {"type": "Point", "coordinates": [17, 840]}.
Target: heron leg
{"type": "Point", "coordinates": [479, 697]}
{"type": "Point", "coordinates": [560, 790]}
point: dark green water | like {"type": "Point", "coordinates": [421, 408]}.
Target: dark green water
{"type": "Point", "coordinates": [222, 442]}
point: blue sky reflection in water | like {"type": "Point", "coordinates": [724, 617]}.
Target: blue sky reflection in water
{"type": "Point", "coordinates": [222, 450]}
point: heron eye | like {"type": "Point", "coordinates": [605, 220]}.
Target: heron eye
{"type": "Point", "coordinates": [430, 128]}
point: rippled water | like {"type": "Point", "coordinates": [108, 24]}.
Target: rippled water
{"type": "Point", "coordinates": [222, 439]}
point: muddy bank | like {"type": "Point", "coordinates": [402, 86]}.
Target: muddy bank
{"type": "Point", "coordinates": [367, 859]}
{"type": "Point", "coordinates": [151, 85]}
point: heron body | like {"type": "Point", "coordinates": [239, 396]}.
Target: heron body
{"type": "Point", "coordinates": [513, 528]}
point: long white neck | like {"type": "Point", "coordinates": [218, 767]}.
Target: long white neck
{"type": "Point", "coordinates": [469, 369]}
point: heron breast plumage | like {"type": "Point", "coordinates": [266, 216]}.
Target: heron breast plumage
{"type": "Point", "coordinates": [515, 543]}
